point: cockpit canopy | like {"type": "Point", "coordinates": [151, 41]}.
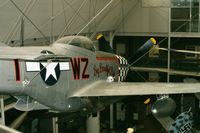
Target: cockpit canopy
{"type": "Point", "coordinates": [79, 41]}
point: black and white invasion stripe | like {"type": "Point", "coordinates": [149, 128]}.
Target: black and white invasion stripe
{"type": "Point", "coordinates": [123, 68]}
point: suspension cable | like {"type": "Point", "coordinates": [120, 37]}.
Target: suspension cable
{"type": "Point", "coordinates": [13, 28]}
{"type": "Point", "coordinates": [91, 20]}
{"type": "Point", "coordinates": [71, 20]}
{"type": "Point", "coordinates": [77, 13]}
{"type": "Point", "coordinates": [95, 17]}
{"type": "Point", "coordinates": [46, 22]}
{"type": "Point", "coordinates": [29, 20]}
{"type": "Point", "coordinates": [65, 16]}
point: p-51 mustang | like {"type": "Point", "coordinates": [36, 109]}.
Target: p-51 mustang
{"type": "Point", "coordinates": [71, 75]}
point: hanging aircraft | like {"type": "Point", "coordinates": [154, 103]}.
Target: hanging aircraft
{"type": "Point", "coordinates": [181, 124]}
{"type": "Point", "coordinates": [72, 75]}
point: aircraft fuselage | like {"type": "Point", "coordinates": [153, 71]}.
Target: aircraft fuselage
{"type": "Point", "coordinates": [53, 82]}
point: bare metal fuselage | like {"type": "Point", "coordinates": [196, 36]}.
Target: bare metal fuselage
{"type": "Point", "coordinates": [52, 83]}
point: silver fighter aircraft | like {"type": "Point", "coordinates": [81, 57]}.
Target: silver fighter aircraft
{"type": "Point", "coordinates": [72, 75]}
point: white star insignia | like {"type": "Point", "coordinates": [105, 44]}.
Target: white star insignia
{"type": "Point", "coordinates": [50, 70]}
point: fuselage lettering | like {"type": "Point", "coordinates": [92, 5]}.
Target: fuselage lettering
{"type": "Point", "coordinates": [84, 75]}
{"type": "Point", "coordinates": [17, 70]}
{"type": "Point", "coordinates": [76, 67]}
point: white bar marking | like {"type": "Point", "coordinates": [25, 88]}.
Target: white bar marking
{"type": "Point", "coordinates": [64, 65]}
{"type": "Point", "coordinates": [32, 66]}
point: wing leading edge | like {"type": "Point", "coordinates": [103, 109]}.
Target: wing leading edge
{"type": "Point", "coordinates": [30, 53]}
{"type": "Point", "coordinates": [103, 88]}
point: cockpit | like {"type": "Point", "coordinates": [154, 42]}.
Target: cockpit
{"type": "Point", "coordinates": [79, 41]}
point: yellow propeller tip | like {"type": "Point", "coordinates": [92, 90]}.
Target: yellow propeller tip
{"type": "Point", "coordinates": [153, 40]}
{"type": "Point", "coordinates": [99, 36]}
{"type": "Point", "coordinates": [147, 101]}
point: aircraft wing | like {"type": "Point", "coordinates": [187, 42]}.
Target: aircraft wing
{"type": "Point", "coordinates": [8, 53]}
{"type": "Point", "coordinates": [29, 53]}
{"type": "Point", "coordinates": [103, 88]}
{"type": "Point", "coordinates": [166, 122]}
{"type": "Point", "coordinates": [165, 70]}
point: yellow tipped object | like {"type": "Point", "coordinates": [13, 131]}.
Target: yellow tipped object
{"type": "Point", "coordinates": [147, 101]}
{"type": "Point", "coordinates": [153, 40]}
{"type": "Point", "coordinates": [99, 36]}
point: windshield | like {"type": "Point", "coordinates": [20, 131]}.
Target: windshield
{"type": "Point", "coordinates": [79, 41]}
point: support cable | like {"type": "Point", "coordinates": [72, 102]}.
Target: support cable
{"type": "Point", "coordinates": [100, 24]}
{"type": "Point", "coordinates": [163, 48]}
{"type": "Point", "coordinates": [26, 82]}
{"type": "Point", "coordinates": [123, 20]}
{"type": "Point", "coordinates": [29, 20]}
{"type": "Point", "coordinates": [46, 23]}
{"type": "Point", "coordinates": [107, 5]}
{"type": "Point", "coordinates": [77, 13]}
{"type": "Point", "coordinates": [65, 16]}
{"type": "Point", "coordinates": [95, 17]}
{"type": "Point", "coordinates": [89, 12]}
{"type": "Point", "coordinates": [70, 21]}
{"type": "Point", "coordinates": [52, 22]}
{"type": "Point", "coordinates": [15, 26]}
{"type": "Point", "coordinates": [94, 12]}
{"type": "Point", "coordinates": [122, 13]}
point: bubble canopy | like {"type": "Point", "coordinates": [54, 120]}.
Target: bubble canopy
{"type": "Point", "coordinates": [79, 41]}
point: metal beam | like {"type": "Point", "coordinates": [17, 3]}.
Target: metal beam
{"type": "Point", "coordinates": [19, 120]}
{"type": "Point", "coordinates": [5, 129]}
